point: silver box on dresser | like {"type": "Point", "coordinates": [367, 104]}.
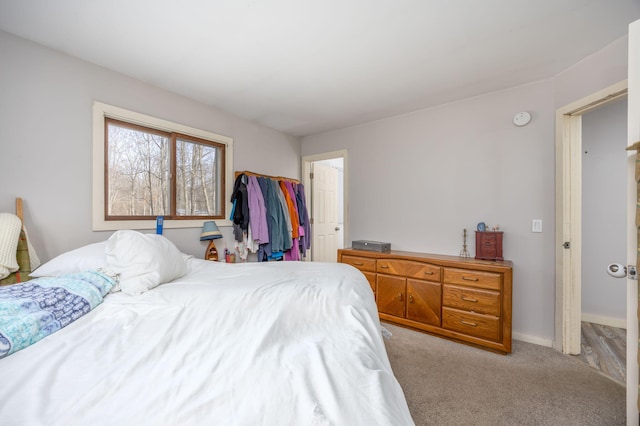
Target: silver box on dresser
{"type": "Point", "coordinates": [371, 246]}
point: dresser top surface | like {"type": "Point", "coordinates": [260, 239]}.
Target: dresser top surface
{"type": "Point", "coordinates": [438, 258]}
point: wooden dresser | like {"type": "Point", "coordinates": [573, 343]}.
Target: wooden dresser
{"type": "Point", "coordinates": [467, 300]}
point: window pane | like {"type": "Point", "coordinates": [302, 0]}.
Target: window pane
{"type": "Point", "coordinates": [138, 183]}
{"type": "Point", "coordinates": [198, 179]}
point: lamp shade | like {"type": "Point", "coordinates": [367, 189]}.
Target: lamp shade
{"type": "Point", "coordinates": [210, 231]}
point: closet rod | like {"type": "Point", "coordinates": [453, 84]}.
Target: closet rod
{"type": "Point", "coordinates": [248, 173]}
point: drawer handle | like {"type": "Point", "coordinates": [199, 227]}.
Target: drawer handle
{"type": "Point", "coordinates": [469, 299]}
{"type": "Point", "coordinates": [384, 266]}
{"type": "Point", "coordinates": [410, 299]}
{"type": "Point", "coordinates": [470, 278]}
{"type": "Point", "coordinates": [471, 324]}
{"type": "Point", "coordinates": [358, 263]}
{"type": "Point", "coordinates": [399, 297]}
{"type": "Point", "coordinates": [428, 272]}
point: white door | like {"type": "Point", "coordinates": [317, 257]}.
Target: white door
{"type": "Point", "coordinates": [324, 207]}
{"type": "Point", "coordinates": [633, 122]}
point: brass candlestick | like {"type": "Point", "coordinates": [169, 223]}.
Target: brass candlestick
{"type": "Point", "coordinates": [464, 253]}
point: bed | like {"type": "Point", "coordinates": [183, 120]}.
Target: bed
{"type": "Point", "coordinates": [276, 343]}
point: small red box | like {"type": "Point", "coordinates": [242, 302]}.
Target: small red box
{"type": "Point", "coordinates": [489, 245]}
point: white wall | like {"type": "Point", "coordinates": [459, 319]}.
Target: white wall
{"type": "Point", "coordinates": [604, 205]}
{"type": "Point", "coordinates": [429, 174]}
{"type": "Point", "coordinates": [417, 180]}
{"type": "Point", "coordinates": [46, 135]}
{"type": "Point", "coordinates": [595, 72]}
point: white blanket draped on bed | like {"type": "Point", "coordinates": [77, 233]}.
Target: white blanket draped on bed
{"type": "Point", "coordinates": [282, 343]}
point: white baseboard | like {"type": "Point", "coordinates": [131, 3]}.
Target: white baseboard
{"type": "Point", "coordinates": [533, 339]}
{"type": "Point", "coordinates": [599, 319]}
{"type": "Point", "coordinates": [596, 319]}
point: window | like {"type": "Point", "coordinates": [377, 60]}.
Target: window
{"type": "Point", "coordinates": [152, 167]}
{"type": "Point", "coordinates": [146, 166]}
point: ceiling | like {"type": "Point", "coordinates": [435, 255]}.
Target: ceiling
{"type": "Point", "coordinates": [305, 67]}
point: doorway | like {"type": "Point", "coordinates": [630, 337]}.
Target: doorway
{"type": "Point", "coordinates": [604, 238]}
{"type": "Point", "coordinates": [326, 175]}
{"type": "Point", "coordinates": [569, 214]}
{"type": "Point", "coordinates": [569, 237]}
{"type": "Point", "coordinates": [604, 204]}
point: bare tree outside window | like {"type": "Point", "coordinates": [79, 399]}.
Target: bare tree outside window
{"type": "Point", "coordinates": [151, 173]}
{"type": "Point", "coordinates": [198, 175]}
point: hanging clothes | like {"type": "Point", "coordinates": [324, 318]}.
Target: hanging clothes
{"type": "Point", "coordinates": [277, 223]}
{"type": "Point", "coordinates": [257, 212]}
{"type": "Point", "coordinates": [305, 239]}
{"type": "Point", "coordinates": [264, 250]}
{"type": "Point", "coordinates": [240, 212]}
{"type": "Point", "coordinates": [289, 197]}
{"type": "Point", "coordinates": [284, 213]}
{"type": "Point", "coordinates": [275, 219]}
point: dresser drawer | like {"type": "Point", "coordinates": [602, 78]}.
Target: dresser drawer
{"type": "Point", "coordinates": [408, 268]}
{"type": "Point", "coordinates": [479, 279]}
{"type": "Point", "coordinates": [362, 263]}
{"type": "Point", "coordinates": [472, 324]}
{"type": "Point", "coordinates": [470, 299]}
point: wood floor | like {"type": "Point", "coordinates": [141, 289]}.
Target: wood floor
{"type": "Point", "coordinates": [605, 349]}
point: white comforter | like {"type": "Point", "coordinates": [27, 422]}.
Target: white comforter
{"type": "Point", "coordinates": [282, 343]}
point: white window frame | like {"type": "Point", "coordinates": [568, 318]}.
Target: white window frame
{"type": "Point", "coordinates": [100, 111]}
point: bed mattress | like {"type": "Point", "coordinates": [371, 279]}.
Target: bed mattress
{"type": "Point", "coordinates": [281, 343]}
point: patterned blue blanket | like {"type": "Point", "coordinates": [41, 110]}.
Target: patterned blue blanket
{"type": "Point", "coordinates": [34, 309]}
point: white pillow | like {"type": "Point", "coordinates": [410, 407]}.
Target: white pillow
{"type": "Point", "coordinates": [143, 261]}
{"type": "Point", "coordinates": [86, 258]}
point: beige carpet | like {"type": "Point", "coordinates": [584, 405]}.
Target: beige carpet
{"type": "Point", "coordinates": [448, 383]}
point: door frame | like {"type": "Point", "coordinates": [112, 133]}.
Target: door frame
{"type": "Point", "coordinates": [569, 214]}
{"type": "Point", "coordinates": [306, 180]}
{"type": "Point", "coordinates": [633, 135]}
{"type": "Point", "coordinates": [569, 229]}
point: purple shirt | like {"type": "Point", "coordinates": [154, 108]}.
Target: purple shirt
{"type": "Point", "coordinates": [257, 212]}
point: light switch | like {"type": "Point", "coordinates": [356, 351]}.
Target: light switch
{"type": "Point", "coordinates": [536, 225]}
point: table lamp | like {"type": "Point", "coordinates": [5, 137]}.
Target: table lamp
{"type": "Point", "coordinates": [210, 232]}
